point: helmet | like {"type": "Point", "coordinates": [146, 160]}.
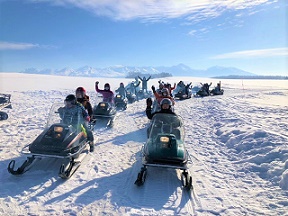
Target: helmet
{"type": "Point", "coordinates": [121, 84]}
{"type": "Point", "coordinates": [107, 86]}
{"type": "Point", "coordinates": [166, 101]}
{"type": "Point", "coordinates": [71, 98]}
{"type": "Point", "coordinates": [165, 91]}
{"type": "Point", "coordinates": [81, 89]}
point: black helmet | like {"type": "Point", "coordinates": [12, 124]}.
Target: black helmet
{"type": "Point", "coordinates": [71, 98]}
{"type": "Point", "coordinates": [107, 85]}
{"type": "Point", "coordinates": [166, 101]}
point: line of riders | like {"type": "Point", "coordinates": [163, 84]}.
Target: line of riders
{"type": "Point", "coordinates": [163, 103]}
{"type": "Point", "coordinates": [68, 129]}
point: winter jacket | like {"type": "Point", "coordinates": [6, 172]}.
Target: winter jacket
{"type": "Point", "coordinates": [159, 97]}
{"type": "Point", "coordinates": [74, 115]}
{"type": "Point", "coordinates": [86, 104]}
{"type": "Point", "coordinates": [122, 91]}
{"type": "Point", "coordinates": [108, 95]}
{"type": "Point", "coordinates": [144, 82]}
{"type": "Point", "coordinates": [150, 115]}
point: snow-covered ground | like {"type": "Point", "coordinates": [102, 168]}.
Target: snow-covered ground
{"type": "Point", "coordinates": [238, 143]}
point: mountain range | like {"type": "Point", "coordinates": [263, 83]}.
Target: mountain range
{"type": "Point", "coordinates": [123, 71]}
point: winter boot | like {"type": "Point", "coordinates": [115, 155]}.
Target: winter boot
{"type": "Point", "coordinates": [91, 146]}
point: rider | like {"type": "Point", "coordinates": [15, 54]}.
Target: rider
{"type": "Point", "coordinates": [108, 95]}
{"type": "Point", "coordinates": [73, 108]}
{"type": "Point", "coordinates": [144, 83]}
{"type": "Point", "coordinates": [121, 90]}
{"type": "Point", "coordinates": [164, 94]}
{"type": "Point", "coordinates": [83, 98]}
{"type": "Point", "coordinates": [165, 105]}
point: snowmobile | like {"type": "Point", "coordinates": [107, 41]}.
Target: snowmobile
{"type": "Point", "coordinates": [165, 148]}
{"type": "Point", "coordinates": [64, 137]}
{"type": "Point", "coordinates": [4, 103]}
{"type": "Point", "coordinates": [216, 91]}
{"type": "Point", "coordinates": [144, 94]}
{"type": "Point", "coordinates": [120, 102]}
{"type": "Point", "coordinates": [104, 111]}
{"type": "Point", "coordinates": [182, 94]}
{"type": "Point", "coordinates": [202, 93]}
{"type": "Point", "coordinates": [204, 90]}
{"type": "Point", "coordinates": [131, 97]}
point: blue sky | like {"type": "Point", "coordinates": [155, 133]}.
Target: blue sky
{"type": "Point", "coordinates": [250, 35]}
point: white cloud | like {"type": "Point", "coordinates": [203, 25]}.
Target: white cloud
{"type": "Point", "coordinates": [16, 46]}
{"type": "Point", "coordinates": [260, 53]}
{"type": "Point", "coordinates": [21, 46]}
{"type": "Point", "coordinates": [157, 9]}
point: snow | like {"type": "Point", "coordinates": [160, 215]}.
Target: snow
{"type": "Point", "coordinates": [238, 144]}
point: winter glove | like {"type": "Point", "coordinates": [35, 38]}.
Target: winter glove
{"type": "Point", "coordinates": [153, 89]}
{"type": "Point", "coordinates": [97, 82]}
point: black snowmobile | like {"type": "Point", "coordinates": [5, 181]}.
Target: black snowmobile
{"type": "Point", "coordinates": [217, 90]}
{"type": "Point", "coordinates": [120, 102]}
{"type": "Point", "coordinates": [182, 93]}
{"type": "Point", "coordinates": [204, 90]}
{"type": "Point", "coordinates": [4, 103]}
{"type": "Point", "coordinates": [144, 94]}
{"type": "Point", "coordinates": [165, 148]}
{"type": "Point", "coordinates": [104, 111]}
{"type": "Point", "coordinates": [131, 97]}
{"type": "Point", "coordinates": [64, 137]}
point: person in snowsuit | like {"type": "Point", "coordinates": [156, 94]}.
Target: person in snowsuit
{"type": "Point", "coordinates": [84, 99]}
{"type": "Point", "coordinates": [164, 94]}
{"type": "Point", "coordinates": [108, 95]}
{"type": "Point", "coordinates": [181, 84]}
{"type": "Point", "coordinates": [170, 88]}
{"type": "Point", "coordinates": [122, 91]}
{"type": "Point", "coordinates": [132, 88]}
{"type": "Point", "coordinates": [161, 86]}
{"type": "Point", "coordinates": [144, 83]}
{"type": "Point", "coordinates": [71, 110]}
{"type": "Point", "coordinates": [165, 105]}
{"type": "Point", "coordinates": [187, 88]}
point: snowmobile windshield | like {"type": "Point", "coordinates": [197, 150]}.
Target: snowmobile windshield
{"type": "Point", "coordinates": [67, 116]}
{"type": "Point", "coordinates": [163, 123]}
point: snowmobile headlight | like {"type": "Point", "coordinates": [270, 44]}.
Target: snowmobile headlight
{"type": "Point", "coordinates": [58, 129]}
{"type": "Point", "coordinates": [118, 96]}
{"type": "Point", "coordinates": [164, 139]}
{"type": "Point", "coordinates": [102, 104]}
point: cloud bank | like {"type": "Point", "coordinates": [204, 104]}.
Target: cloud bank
{"type": "Point", "coordinates": [260, 53]}
{"type": "Point", "coordinates": [17, 46]}
{"type": "Point", "coordinates": [157, 9]}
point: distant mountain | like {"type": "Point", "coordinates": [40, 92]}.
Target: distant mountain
{"type": "Point", "coordinates": [122, 71]}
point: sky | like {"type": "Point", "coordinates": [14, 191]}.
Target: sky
{"type": "Point", "coordinates": [247, 34]}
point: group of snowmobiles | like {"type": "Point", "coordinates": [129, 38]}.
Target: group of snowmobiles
{"type": "Point", "coordinates": [204, 90]}
{"type": "Point", "coordinates": [64, 137]}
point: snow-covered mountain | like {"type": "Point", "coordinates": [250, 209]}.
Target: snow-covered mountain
{"type": "Point", "coordinates": [123, 71]}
